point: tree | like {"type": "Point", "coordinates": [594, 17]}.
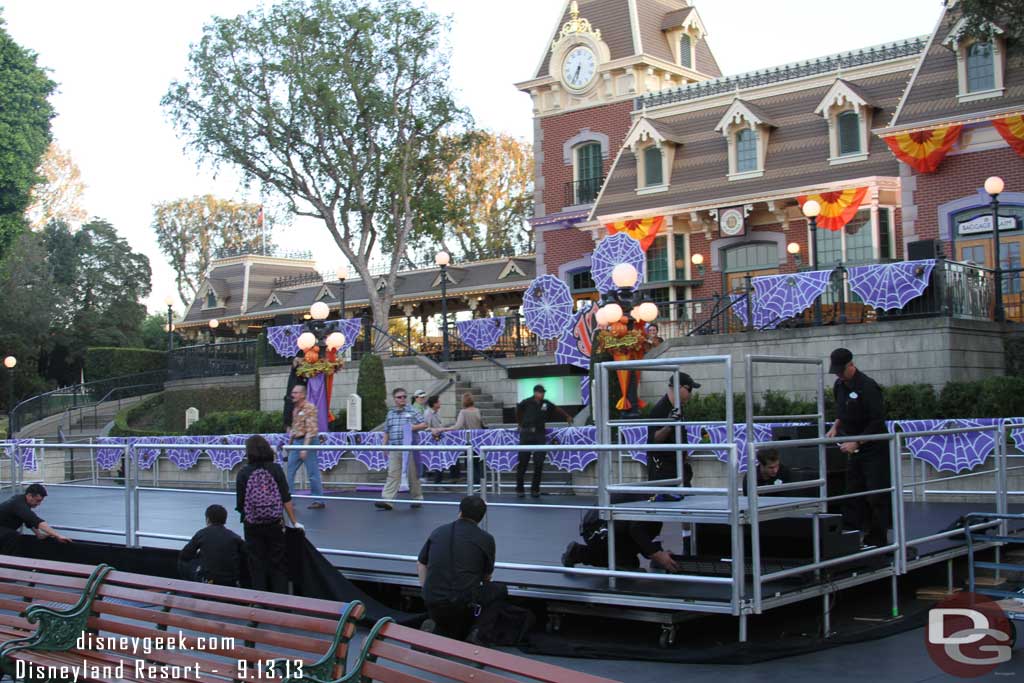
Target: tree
{"type": "Point", "coordinates": [1006, 14]}
{"type": "Point", "coordinates": [59, 196]}
{"type": "Point", "coordinates": [191, 231]}
{"type": "Point", "coordinates": [153, 332]}
{"type": "Point", "coordinates": [487, 196]}
{"type": "Point", "coordinates": [99, 283]}
{"type": "Point", "coordinates": [24, 131]}
{"type": "Point", "coordinates": [371, 387]}
{"type": "Point", "coordinates": [337, 105]}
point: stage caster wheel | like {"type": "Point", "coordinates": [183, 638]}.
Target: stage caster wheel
{"type": "Point", "coordinates": [668, 636]}
{"type": "Point", "coordinates": [554, 624]}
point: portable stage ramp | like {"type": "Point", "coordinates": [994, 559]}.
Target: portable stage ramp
{"type": "Point", "coordinates": [533, 534]}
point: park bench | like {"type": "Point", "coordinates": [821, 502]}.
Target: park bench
{"type": "Point", "coordinates": [226, 634]}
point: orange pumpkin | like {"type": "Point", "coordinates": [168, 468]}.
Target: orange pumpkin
{"type": "Point", "coordinates": [619, 329]}
{"type": "Point", "coordinates": [312, 355]}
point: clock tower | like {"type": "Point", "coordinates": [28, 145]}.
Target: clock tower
{"type": "Point", "coordinates": [603, 54]}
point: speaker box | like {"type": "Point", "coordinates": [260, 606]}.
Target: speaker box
{"type": "Point", "coordinates": [925, 249]}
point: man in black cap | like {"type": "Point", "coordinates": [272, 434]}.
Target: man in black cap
{"type": "Point", "coordinates": [662, 464]}
{"type": "Point", "coordinates": [860, 410]}
{"type": "Point", "coordinates": [19, 510]}
{"type": "Point", "coordinates": [533, 414]}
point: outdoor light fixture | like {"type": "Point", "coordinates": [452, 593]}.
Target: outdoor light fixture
{"type": "Point", "coordinates": [794, 250]}
{"type": "Point", "coordinates": [306, 341]}
{"type": "Point", "coordinates": [169, 327]}
{"type": "Point", "coordinates": [994, 186]}
{"type": "Point", "coordinates": [698, 260]}
{"type": "Point", "coordinates": [335, 340]}
{"type": "Point", "coordinates": [342, 273]}
{"type": "Point", "coordinates": [168, 301]}
{"type": "Point", "coordinates": [319, 311]}
{"type": "Point", "coordinates": [624, 276]}
{"type": "Point", "coordinates": [612, 312]}
{"type": "Point", "coordinates": [10, 362]}
{"type": "Point", "coordinates": [442, 259]}
{"type": "Point", "coordinates": [812, 210]}
{"type": "Point", "coordinates": [214, 324]}
{"type": "Point", "coordinates": [647, 311]}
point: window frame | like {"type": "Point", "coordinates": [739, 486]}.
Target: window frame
{"type": "Point", "coordinates": [873, 223]}
{"type": "Point", "coordinates": [846, 115]}
{"type": "Point", "coordinates": [686, 53]}
{"type": "Point", "coordinates": [998, 52]}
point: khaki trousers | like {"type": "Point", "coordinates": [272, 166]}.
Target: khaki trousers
{"type": "Point", "coordinates": [395, 476]}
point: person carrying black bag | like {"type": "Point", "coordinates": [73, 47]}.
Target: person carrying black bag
{"type": "Point", "coordinates": [455, 568]}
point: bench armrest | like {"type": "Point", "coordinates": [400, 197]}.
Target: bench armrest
{"type": "Point", "coordinates": [322, 671]}
{"type": "Point", "coordinates": [356, 674]}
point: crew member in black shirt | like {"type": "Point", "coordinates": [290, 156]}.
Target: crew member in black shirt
{"type": "Point", "coordinates": [662, 464]}
{"type": "Point", "coordinates": [770, 471]}
{"type": "Point", "coordinates": [18, 510]}
{"type": "Point", "coordinates": [214, 553]}
{"type": "Point", "coordinates": [455, 568]}
{"type": "Point", "coordinates": [533, 414]}
{"type": "Point", "coordinates": [860, 410]}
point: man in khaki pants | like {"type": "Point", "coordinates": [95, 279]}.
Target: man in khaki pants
{"type": "Point", "coordinates": [401, 422]}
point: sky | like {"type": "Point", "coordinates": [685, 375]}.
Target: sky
{"type": "Point", "coordinates": [114, 59]}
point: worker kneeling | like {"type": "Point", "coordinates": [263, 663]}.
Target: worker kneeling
{"type": "Point", "coordinates": [632, 540]}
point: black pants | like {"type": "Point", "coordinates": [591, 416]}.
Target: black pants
{"type": "Point", "coordinates": [193, 571]}
{"type": "Point", "coordinates": [456, 619]}
{"type": "Point", "coordinates": [268, 570]}
{"type": "Point", "coordinates": [866, 471]}
{"type": "Point", "coordinates": [530, 439]}
{"type": "Point", "coordinates": [289, 409]}
{"type": "Point", "coordinates": [627, 551]}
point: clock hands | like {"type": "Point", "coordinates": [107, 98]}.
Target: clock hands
{"type": "Point", "coordinates": [577, 74]}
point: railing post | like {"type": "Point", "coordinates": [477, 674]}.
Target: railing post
{"type": "Point", "coordinates": [749, 327]}
{"type": "Point", "coordinates": [840, 274]}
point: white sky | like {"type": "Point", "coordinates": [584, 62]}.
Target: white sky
{"type": "Point", "coordinates": [113, 61]}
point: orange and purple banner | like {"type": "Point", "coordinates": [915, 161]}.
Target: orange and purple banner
{"type": "Point", "coordinates": [924, 150]}
{"type": "Point", "coordinates": [643, 231]}
{"type": "Point", "coordinates": [837, 208]}
{"type": "Point", "coordinates": [1012, 130]}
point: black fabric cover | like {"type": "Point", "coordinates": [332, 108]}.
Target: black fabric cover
{"type": "Point", "coordinates": [311, 574]}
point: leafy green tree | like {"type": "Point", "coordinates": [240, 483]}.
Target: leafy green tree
{"type": "Point", "coordinates": [191, 231]}
{"type": "Point", "coordinates": [338, 106]}
{"type": "Point", "coordinates": [372, 388]}
{"type": "Point", "coordinates": [1006, 14]}
{"type": "Point", "coordinates": [99, 283]}
{"type": "Point", "coordinates": [25, 115]}
{"type": "Point", "coordinates": [153, 332]}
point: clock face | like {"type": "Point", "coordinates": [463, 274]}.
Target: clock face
{"type": "Point", "coordinates": [731, 222]}
{"type": "Point", "coordinates": [579, 67]}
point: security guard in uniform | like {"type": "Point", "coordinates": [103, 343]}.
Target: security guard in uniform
{"type": "Point", "coordinates": [860, 410]}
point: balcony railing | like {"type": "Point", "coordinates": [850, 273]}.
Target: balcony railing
{"type": "Point", "coordinates": [581, 192]}
{"type": "Point", "coordinates": [213, 360]}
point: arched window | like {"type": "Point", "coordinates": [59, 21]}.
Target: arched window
{"type": "Point", "coordinates": [750, 257]}
{"type": "Point", "coordinates": [686, 51]}
{"type": "Point", "coordinates": [848, 125]}
{"type": "Point", "coordinates": [981, 67]}
{"type": "Point", "coordinates": [211, 299]}
{"type": "Point", "coordinates": [589, 168]}
{"type": "Point", "coordinates": [746, 151]}
{"type": "Point", "coordinates": [652, 167]}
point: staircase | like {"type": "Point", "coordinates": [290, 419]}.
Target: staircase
{"type": "Point", "coordinates": [490, 410]}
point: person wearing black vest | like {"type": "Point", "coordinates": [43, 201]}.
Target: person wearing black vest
{"type": "Point", "coordinates": [860, 410]}
{"type": "Point", "coordinates": [662, 464]}
{"type": "Point", "coordinates": [533, 414]}
{"type": "Point", "coordinates": [454, 568]}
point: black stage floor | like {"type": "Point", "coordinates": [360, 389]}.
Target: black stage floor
{"type": "Point", "coordinates": [536, 534]}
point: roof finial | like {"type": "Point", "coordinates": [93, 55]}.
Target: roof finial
{"type": "Point", "coordinates": [574, 10]}
{"type": "Point", "coordinates": [576, 25]}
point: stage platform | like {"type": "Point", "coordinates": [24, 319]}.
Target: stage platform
{"type": "Point", "coordinates": [530, 532]}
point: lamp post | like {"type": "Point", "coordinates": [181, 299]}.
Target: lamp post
{"type": "Point", "coordinates": [442, 259]}
{"type": "Point", "coordinates": [812, 210]}
{"type": "Point", "coordinates": [994, 187]}
{"type": "Point", "coordinates": [9, 363]}
{"type": "Point", "coordinates": [169, 303]}
{"type": "Point", "coordinates": [342, 273]}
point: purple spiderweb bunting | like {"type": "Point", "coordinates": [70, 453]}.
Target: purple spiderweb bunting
{"type": "Point", "coordinates": [781, 297]}
{"type": "Point", "coordinates": [284, 337]}
{"type": "Point", "coordinates": [481, 333]}
{"type": "Point", "coordinates": [547, 307]}
{"type": "Point", "coordinates": [890, 286]}
{"type": "Point", "coordinates": [610, 252]}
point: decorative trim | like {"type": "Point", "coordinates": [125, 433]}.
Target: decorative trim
{"type": "Point", "coordinates": [725, 243]}
{"type": "Point", "coordinates": [566, 269]}
{"type": "Point", "coordinates": [980, 199]}
{"type": "Point", "coordinates": [848, 159]}
{"type": "Point", "coordinates": [952, 40]}
{"type": "Point", "coordinates": [510, 268]}
{"type": "Point", "coordinates": [746, 175]}
{"type": "Point", "coordinates": [981, 95]}
{"type": "Point", "coordinates": [585, 135]}
{"type": "Point", "coordinates": [652, 190]}
{"type": "Point", "coordinates": [575, 26]}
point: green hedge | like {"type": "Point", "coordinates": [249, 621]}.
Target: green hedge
{"type": "Point", "coordinates": [102, 362]}
{"type": "Point", "coordinates": [1013, 349]}
{"type": "Point", "coordinates": [237, 422]}
{"type": "Point", "coordinates": [371, 386]}
{"type": "Point", "coordinates": [149, 413]}
{"type": "Point", "coordinates": [209, 401]}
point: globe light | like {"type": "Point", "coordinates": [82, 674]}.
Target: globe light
{"type": "Point", "coordinates": [168, 301]}
{"type": "Point", "coordinates": [306, 341]}
{"type": "Point", "coordinates": [635, 314]}
{"type": "Point", "coordinates": [335, 340]}
{"type": "Point", "coordinates": [612, 313]}
{"type": "Point", "coordinates": [214, 323]}
{"type": "Point", "coordinates": [168, 328]}
{"type": "Point", "coordinates": [994, 185]}
{"type": "Point", "coordinates": [648, 311]}
{"type": "Point", "coordinates": [341, 272]}
{"type": "Point", "coordinates": [10, 362]}
{"type": "Point", "coordinates": [697, 259]}
{"type": "Point", "coordinates": [443, 258]}
{"type": "Point", "coordinates": [319, 310]}
{"type": "Point", "coordinates": [624, 275]}
{"type": "Point", "coordinates": [812, 209]}
{"type": "Point", "coordinates": [793, 248]}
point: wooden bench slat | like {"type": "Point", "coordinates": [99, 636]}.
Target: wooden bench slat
{"type": "Point", "coordinates": [379, 673]}
{"type": "Point", "coordinates": [435, 663]}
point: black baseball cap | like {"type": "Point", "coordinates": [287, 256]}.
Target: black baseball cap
{"type": "Point", "coordinates": [684, 381]}
{"type": "Point", "coordinates": [839, 360]}
{"type": "Point", "coordinates": [540, 388]}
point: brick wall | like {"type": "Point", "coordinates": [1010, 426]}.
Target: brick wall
{"type": "Point", "coordinates": [961, 176]}
{"type": "Point", "coordinates": [612, 120]}
{"type": "Point", "coordinates": [565, 245]}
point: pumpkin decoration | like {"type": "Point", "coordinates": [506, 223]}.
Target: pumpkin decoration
{"type": "Point", "coordinates": [619, 329]}
{"type": "Point", "coordinates": [312, 355]}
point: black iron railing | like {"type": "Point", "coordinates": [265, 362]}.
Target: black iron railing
{"type": "Point", "coordinates": [213, 360]}
{"type": "Point", "coordinates": [585, 191]}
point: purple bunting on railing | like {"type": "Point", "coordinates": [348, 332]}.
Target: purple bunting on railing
{"type": "Point", "coordinates": [778, 298]}
{"type": "Point", "coordinates": [328, 459]}
{"type": "Point", "coordinates": [145, 455]}
{"type": "Point", "coordinates": [500, 461]}
{"type": "Point", "coordinates": [891, 286]}
{"type": "Point", "coordinates": [183, 457]}
{"type": "Point", "coordinates": [634, 436]}
{"type": "Point", "coordinates": [572, 461]}
{"type": "Point", "coordinates": [375, 461]}
{"type": "Point", "coordinates": [20, 451]}
{"type": "Point", "coordinates": [481, 333]}
{"type": "Point", "coordinates": [440, 460]}
{"type": "Point", "coordinates": [108, 458]}
{"type": "Point", "coordinates": [950, 452]}
{"type": "Point", "coordinates": [1016, 425]}
{"type": "Point", "coordinates": [284, 338]}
